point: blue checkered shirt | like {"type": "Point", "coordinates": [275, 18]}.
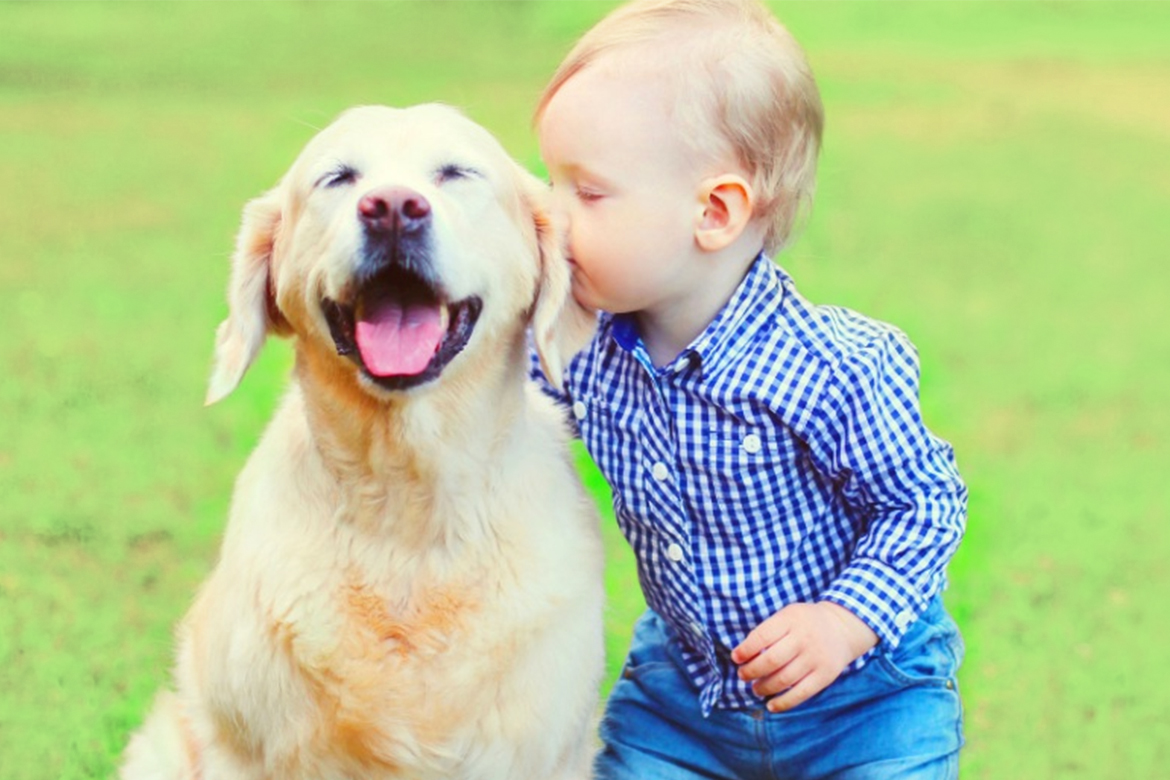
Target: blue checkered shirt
{"type": "Point", "coordinates": [780, 458]}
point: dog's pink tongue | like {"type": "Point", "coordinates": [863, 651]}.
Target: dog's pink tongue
{"type": "Point", "coordinates": [397, 340]}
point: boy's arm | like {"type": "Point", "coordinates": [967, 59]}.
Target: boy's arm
{"type": "Point", "coordinates": [869, 437]}
{"type": "Point", "coordinates": [900, 477]}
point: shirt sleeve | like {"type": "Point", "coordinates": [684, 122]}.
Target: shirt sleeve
{"type": "Point", "coordinates": [899, 479]}
{"type": "Point", "coordinates": [560, 397]}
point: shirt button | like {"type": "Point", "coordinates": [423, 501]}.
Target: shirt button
{"type": "Point", "coordinates": [660, 472]}
{"type": "Point", "coordinates": [752, 443]}
{"type": "Point", "coordinates": [674, 552]}
{"type": "Point", "coordinates": [579, 410]}
{"type": "Point", "coordinates": [904, 619]}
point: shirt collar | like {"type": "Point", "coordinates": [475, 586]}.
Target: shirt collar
{"type": "Point", "coordinates": [625, 332]}
{"type": "Point", "coordinates": [761, 290]}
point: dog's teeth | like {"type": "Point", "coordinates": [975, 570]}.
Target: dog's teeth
{"type": "Point", "coordinates": [444, 318]}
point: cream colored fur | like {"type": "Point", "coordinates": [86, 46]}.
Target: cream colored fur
{"type": "Point", "coordinates": [410, 582]}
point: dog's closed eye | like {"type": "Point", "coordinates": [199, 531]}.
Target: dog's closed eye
{"type": "Point", "coordinates": [337, 177]}
{"type": "Point", "coordinates": [455, 172]}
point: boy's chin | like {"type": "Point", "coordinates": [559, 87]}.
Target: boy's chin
{"type": "Point", "coordinates": [584, 297]}
{"type": "Point", "coordinates": [584, 300]}
{"type": "Point", "coordinates": [588, 298]}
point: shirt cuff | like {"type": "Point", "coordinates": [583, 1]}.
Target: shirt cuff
{"type": "Point", "coordinates": [882, 597]}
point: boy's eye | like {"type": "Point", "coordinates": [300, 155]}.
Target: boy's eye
{"type": "Point", "coordinates": [588, 196]}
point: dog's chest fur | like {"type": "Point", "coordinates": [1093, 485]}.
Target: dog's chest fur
{"type": "Point", "coordinates": [387, 650]}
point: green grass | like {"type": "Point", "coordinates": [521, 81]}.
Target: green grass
{"type": "Point", "coordinates": [996, 181]}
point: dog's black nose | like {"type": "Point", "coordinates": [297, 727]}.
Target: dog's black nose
{"type": "Point", "coordinates": [394, 210]}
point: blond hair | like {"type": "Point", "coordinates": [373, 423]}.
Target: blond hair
{"type": "Point", "coordinates": [748, 86]}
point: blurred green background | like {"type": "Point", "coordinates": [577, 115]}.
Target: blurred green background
{"type": "Point", "coordinates": [995, 180]}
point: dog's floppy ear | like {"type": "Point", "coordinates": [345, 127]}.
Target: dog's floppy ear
{"type": "Point", "coordinates": [252, 312]}
{"type": "Point", "coordinates": [561, 327]}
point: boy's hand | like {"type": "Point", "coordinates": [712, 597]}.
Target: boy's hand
{"type": "Point", "coordinates": [800, 650]}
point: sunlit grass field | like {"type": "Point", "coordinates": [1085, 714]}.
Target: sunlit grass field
{"type": "Point", "coordinates": [995, 180]}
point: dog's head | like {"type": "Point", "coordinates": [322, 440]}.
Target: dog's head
{"type": "Point", "coordinates": [399, 240]}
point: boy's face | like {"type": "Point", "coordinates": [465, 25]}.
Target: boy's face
{"type": "Point", "coordinates": [627, 186]}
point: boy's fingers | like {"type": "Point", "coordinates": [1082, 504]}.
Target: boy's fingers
{"type": "Point", "coordinates": [807, 687]}
{"type": "Point", "coordinates": [782, 679]}
{"type": "Point", "coordinates": [771, 659]}
{"type": "Point", "coordinates": [766, 634]}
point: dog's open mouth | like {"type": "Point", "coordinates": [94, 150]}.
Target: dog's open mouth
{"type": "Point", "coordinates": [400, 329]}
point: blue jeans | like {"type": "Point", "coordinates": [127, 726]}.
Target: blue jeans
{"type": "Point", "coordinates": [899, 716]}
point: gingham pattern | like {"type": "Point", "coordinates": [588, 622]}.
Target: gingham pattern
{"type": "Point", "coordinates": [781, 458]}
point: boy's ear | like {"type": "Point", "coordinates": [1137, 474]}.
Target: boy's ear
{"type": "Point", "coordinates": [561, 327]}
{"type": "Point", "coordinates": [726, 203]}
{"type": "Point", "coordinates": [252, 311]}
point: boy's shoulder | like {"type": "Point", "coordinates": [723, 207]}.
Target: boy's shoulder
{"type": "Point", "coordinates": [816, 362]}
{"type": "Point", "coordinates": [837, 336]}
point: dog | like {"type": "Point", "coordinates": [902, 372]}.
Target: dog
{"type": "Point", "coordinates": [410, 581]}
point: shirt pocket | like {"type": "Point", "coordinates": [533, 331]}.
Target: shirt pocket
{"type": "Point", "coordinates": [751, 478]}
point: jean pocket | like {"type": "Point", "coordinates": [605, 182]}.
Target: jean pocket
{"type": "Point", "coordinates": [650, 664]}
{"type": "Point", "coordinates": [642, 670]}
{"type": "Point", "coordinates": [929, 656]}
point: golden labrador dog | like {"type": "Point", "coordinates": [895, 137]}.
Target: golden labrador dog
{"type": "Point", "coordinates": [410, 584]}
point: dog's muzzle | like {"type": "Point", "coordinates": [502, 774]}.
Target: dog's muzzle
{"type": "Point", "coordinates": [395, 319]}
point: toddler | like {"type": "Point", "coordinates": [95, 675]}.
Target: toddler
{"type": "Point", "coordinates": [791, 515]}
